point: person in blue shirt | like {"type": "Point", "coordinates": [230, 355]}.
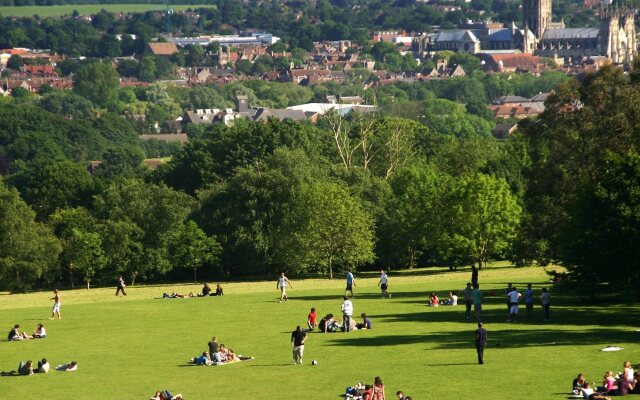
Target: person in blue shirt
{"type": "Point", "coordinates": [528, 299]}
{"type": "Point", "coordinates": [366, 322]}
{"type": "Point", "coordinates": [351, 282]}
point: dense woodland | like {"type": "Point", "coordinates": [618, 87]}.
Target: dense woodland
{"type": "Point", "coordinates": [364, 191]}
{"type": "Point", "coordinates": [421, 182]}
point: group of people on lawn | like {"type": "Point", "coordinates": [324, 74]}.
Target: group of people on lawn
{"type": "Point", "coordinates": [217, 354]}
{"type": "Point", "coordinates": [27, 368]}
{"type": "Point", "coordinates": [329, 324]}
{"type": "Point", "coordinates": [15, 334]}
{"type": "Point", "coordinates": [621, 384]}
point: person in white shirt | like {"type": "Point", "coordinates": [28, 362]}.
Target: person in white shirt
{"type": "Point", "coordinates": [513, 297]}
{"type": "Point", "coordinates": [282, 285]}
{"type": "Point", "coordinates": [452, 300]}
{"type": "Point", "coordinates": [43, 366]}
{"type": "Point", "coordinates": [545, 298]}
{"type": "Point", "coordinates": [384, 284]}
{"type": "Point", "coordinates": [347, 312]}
{"type": "Point", "coordinates": [40, 332]}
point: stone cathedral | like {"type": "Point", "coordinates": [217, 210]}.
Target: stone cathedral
{"type": "Point", "coordinates": [615, 38]}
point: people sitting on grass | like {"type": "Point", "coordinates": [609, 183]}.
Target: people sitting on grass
{"type": "Point", "coordinates": [433, 300]}
{"type": "Point", "coordinates": [40, 332]}
{"type": "Point", "coordinates": [328, 324]}
{"type": "Point", "coordinates": [25, 368]}
{"type": "Point", "coordinates": [365, 324]}
{"type": "Point", "coordinates": [578, 383]}
{"type": "Point", "coordinates": [312, 319]}
{"type": "Point", "coordinates": [43, 366]}
{"type": "Point", "coordinates": [452, 300]}
{"type": "Point", "coordinates": [219, 291]}
{"type": "Point", "coordinates": [165, 395]}
{"type": "Point", "coordinates": [15, 334]}
{"type": "Point", "coordinates": [205, 290]}
{"type": "Point", "coordinates": [624, 385]}
{"type": "Point", "coordinates": [608, 384]}
{"type": "Point", "coordinates": [68, 367]}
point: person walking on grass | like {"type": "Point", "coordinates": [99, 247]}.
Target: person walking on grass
{"type": "Point", "coordinates": [384, 284]}
{"type": "Point", "coordinates": [56, 305]}
{"type": "Point", "coordinates": [351, 282]}
{"type": "Point", "coordinates": [481, 342]}
{"type": "Point", "coordinates": [347, 312]}
{"type": "Point", "coordinates": [468, 299]}
{"type": "Point", "coordinates": [477, 301]}
{"type": "Point", "coordinates": [121, 286]}
{"type": "Point", "coordinates": [546, 303]}
{"type": "Point", "coordinates": [298, 337]}
{"type": "Point", "coordinates": [282, 285]}
{"type": "Point", "coordinates": [513, 297]}
{"type": "Point", "coordinates": [528, 299]}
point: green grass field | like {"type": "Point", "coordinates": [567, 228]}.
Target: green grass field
{"type": "Point", "coordinates": [86, 9]}
{"type": "Point", "coordinates": [127, 348]}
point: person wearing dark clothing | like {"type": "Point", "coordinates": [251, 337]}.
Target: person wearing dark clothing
{"type": "Point", "coordinates": [121, 286]}
{"type": "Point", "coordinates": [474, 275]}
{"type": "Point", "coordinates": [206, 289]}
{"type": "Point", "coordinates": [219, 291]}
{"type": "Point", "coordinates": [481, 342]}
{"type": "Point", "coordinates": [213, 346]}
{"type": "Point", "coordinates": [298, 338]}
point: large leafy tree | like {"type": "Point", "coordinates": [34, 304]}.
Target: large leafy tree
{"type": "Point", "coordinates": [326, 228]}
{"type": "Point", "coordinates": [483, 216]}
{"type": "Point", "coordinates": [191, 248]}
{"type": "Point", "coordinates": [600, 243]}
{"type": "Point", "coordinates": [27, 248]}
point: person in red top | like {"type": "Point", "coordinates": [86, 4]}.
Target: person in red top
{"type": "Point", "coordinates": [312, 319]}
{"type": "Point", "coordinates": [378, 389]}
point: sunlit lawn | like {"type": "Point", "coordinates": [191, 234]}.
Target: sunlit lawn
{"type": "Point", "coordinates": [127, 348]}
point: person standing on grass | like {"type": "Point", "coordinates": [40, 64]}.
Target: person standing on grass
{"type": "Point", "coordinates": [384, 282]}
{"type": "Point", "coordinates": [474, 274]}
{"type": "Point", "coordinates": [468, 299]}
{"type": "Point", "coordinates": [347, 312]}
{"type": "Point", "coordinates": [298, 337]}
{"type": "Point", "coordinates": [312, 319]}
{"type": "Point", "coordinates": [477, 301]}
{"type": "Point", "coordinates": [528, 299]}
{"type": "Point", "coordinates": [513, 297]}
{"type": "Point", "coordinates": [213, 347]}
{"type": "Point", "coordinates": [282, 284]}
{"type": "Point", "coordinates": [546, 303]}
{"type": "Point", "coordinates": [481, 342]}
{"type": "Point", "coordinates": [121, 286]}
{"type": "Point", "coordinates": [351, 282]}
{"type": "Point", "coordinates": [56, 305]}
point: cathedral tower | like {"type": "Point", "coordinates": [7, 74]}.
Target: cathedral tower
{"type": "Point", "coordinates": [537, 15]}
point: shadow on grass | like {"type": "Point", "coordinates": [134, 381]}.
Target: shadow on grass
{"type": "Point", "coordinates": [272, 365]}
{"type": "Point", "coordinates": [565, 315]}
{"type": "Point", "coordinates": [449, 364]}
{"type": "Point", "coordinates": [499, 339]}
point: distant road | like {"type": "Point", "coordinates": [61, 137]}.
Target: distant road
{"type": "Point", "coordinates": [87, 9]}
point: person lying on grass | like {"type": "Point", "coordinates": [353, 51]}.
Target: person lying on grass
{"type": "Point", "coordinates": [25, 368]}
{"type": "Point", "coordinates": [165, 395]}
{"type": "Point", "coordinates": [175, 295]}
{"type": "Point", "coordinates": [68, 367]}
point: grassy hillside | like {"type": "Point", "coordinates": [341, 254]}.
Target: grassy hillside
{"type": "Point", "coordinates": [127, 347]}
